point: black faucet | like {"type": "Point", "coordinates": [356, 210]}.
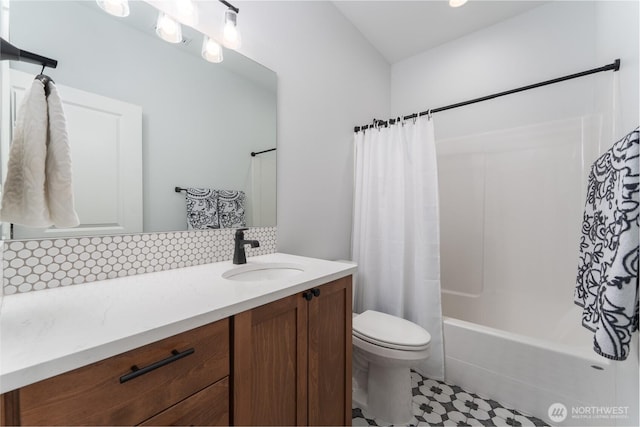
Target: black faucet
{"type": "Point", "coordinates": [239, 256]}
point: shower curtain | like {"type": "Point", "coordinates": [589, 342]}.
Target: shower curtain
{"type": "Point", "coordinates": [395, 239]}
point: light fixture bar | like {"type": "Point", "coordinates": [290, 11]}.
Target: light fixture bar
{"type": "Point", "coordinates": [230, 6]}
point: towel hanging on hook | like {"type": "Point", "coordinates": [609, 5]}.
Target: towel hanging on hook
{"type": "Point", "coordinates": [45, 81]}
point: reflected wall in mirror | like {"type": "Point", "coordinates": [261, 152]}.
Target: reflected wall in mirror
{"type": "Point", "coordinates": [145, 116]}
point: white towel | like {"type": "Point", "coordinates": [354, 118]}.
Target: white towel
{"type": "Point", "coordinates": [58, 169]}
{"type": "Point", "coordinates": [38, 191]}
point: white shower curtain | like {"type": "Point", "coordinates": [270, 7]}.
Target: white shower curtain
{"type": "Point", "coordinates": [395, 237]}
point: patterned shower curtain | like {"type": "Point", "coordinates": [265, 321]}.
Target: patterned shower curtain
{"type": "Point", "coordinates": [395, 239]}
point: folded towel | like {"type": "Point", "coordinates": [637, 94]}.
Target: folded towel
{"type": "Point", "coordinates": [607, 282]}
{"type": "Point", "coordinates": [38, 191]}
{"type": "Point", "coordinates": [202, 208]}
{"type": "Point", "coordinates": [231, 209]}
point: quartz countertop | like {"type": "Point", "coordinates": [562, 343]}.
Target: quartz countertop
{"type": "Point", "coordinates": [49, 332]}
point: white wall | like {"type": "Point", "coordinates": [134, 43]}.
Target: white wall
{"type": "Point", "coordinates": [555, 39]}
{"type": "Point", "coordinates": [329, 80]}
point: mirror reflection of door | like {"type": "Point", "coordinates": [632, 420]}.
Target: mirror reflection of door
{"type": "Point", "coordinates": [105, 136]}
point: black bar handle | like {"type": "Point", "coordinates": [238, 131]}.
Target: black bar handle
{"type": "Point", "coordinates": [315, 292]}
{"type": "Point", "coordinates": [307, 295]}
{"type": "Point", "coordinates": [136, 372]}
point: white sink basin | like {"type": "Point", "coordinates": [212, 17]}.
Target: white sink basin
{"type": "Point", "coordinates": [263, 271]}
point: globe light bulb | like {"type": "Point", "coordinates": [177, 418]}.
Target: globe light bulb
{"type": "Point", "coordinates": [211, 50]}
{"type": "Point", "coordinates": [168, 29]}
{"type": "Point", "coordinates": [231, 37]}
{"type": "Point", "coordinates": [119, 8]}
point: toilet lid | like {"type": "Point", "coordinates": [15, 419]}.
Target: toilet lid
{"type": "Point", "coordinates": [390, 331]}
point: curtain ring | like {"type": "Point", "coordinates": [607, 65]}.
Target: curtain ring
{"type": "Point", "coordinates": [429, 114]}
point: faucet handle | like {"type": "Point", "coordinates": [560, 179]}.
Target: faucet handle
{"type": "Point", "coordinates": [240, 233]}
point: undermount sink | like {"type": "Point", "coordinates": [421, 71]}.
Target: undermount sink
{"type": "Point", "coordinates": [263, 271]}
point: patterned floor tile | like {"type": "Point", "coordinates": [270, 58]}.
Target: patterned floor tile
{"type": "Point", "coordinates": [438, 404]}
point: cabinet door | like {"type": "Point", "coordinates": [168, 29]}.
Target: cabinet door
{"type": "Point", "coordinates": [330, 354]}
{"type": "Point", "coordinates": [209, 407]}
{"type": "Point", "coordinates": [270, 364]}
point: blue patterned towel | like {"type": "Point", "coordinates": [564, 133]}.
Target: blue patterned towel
{"type": "Point", "coordinates": [202, 208]}
{"type": "Point", "coordinates": [607, 282]}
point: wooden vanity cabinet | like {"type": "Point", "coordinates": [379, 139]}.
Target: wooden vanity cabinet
{"type": "Point", "coordinates": [292, 359]}
{"type": "Point", "coordinates": [291, 366]}
{"type": "Point", "coordinates": [190, 385]}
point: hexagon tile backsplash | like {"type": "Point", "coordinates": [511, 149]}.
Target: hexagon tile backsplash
{"type": "Point", "coordinates": [33, 265]}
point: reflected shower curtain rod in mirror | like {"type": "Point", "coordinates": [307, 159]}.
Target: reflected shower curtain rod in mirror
{"type": "Point", "coordinates": [255, 153]}
{"type": "Point", "coordinates": [615, 66]}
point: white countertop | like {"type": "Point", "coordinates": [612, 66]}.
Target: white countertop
{"type": "Point", "coordinates": [45, 333]}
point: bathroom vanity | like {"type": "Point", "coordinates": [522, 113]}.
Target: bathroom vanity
{"type": "Point", "coordinates": [193, 346]}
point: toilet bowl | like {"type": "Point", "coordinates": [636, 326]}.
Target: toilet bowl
{"type": "Point", "coordinates": [385, 348]}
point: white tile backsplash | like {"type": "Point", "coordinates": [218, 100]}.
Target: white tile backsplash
{"type": "Point", "coordinates": [33, 265]}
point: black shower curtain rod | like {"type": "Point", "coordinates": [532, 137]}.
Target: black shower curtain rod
{"type": "Point", "coordinates": [9, 52]}
{"type": "Point", "coordinates": [255, 153]}
{"type": "Point", "coordinates": [615, 66]}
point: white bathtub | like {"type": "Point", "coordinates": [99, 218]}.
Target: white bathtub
{"type": "Point", "coordinates": [511, 202]}
{"type": "Point", "coordinates": [545, 362]}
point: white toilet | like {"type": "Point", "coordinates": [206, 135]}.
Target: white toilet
{"type": "Point", "coordinates": [385, 347]}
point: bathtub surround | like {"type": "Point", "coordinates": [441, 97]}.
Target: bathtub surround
{"type": "Point", "coordinates": [32, 265]}
{"type": "Point", "coordinates": [396, 230]}
{"type": "Point", "coordinates": [607, 282]}
{"type": "Point", "coordinates": [496, 340]}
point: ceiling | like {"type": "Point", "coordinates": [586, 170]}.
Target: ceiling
{"type": "Point", "coordinates": [401, 29]}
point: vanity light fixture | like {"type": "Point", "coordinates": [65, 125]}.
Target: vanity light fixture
{"type": "Point", "coordinates": [456, 3]}
{"type": "Point", "coordinates": [231, 36]}
{"type": "Point", "coordinates": [211, 50]}
{"type": "Point", "coordinates": [168, 29]}
{"type": "Point", "coordinates": [119, 8]}
{"type": "Point", "coordinates": [187, 12]}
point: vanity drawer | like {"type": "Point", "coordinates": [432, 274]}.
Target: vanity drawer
{"type": "Point", "coordinates": [209, 407]}
{"type": "Point", "coordinates": [101, 394]}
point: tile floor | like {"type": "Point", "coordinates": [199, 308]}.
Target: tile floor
{"type": "Point", "coordinates": [438, 404]}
